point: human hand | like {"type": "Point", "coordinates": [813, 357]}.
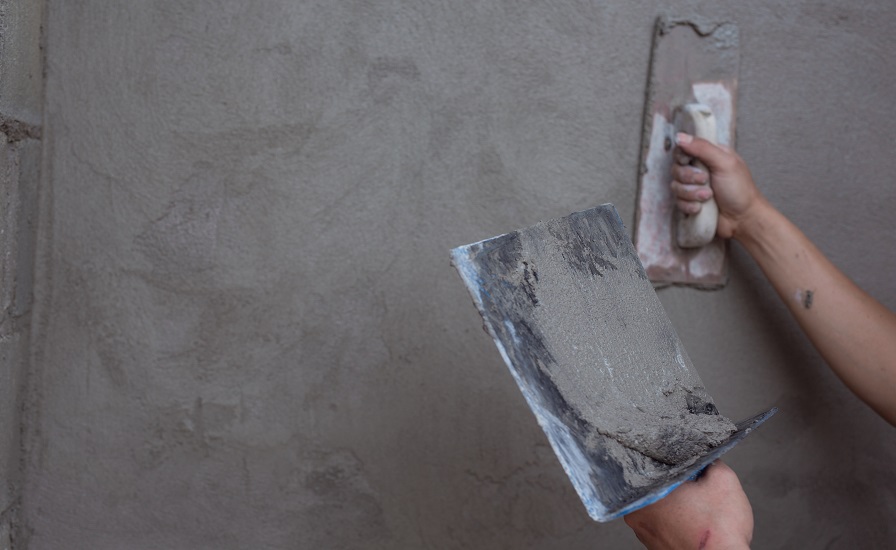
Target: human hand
{"type": "Point", "coordinates": [730, 183]}
{"type": "Point", "coordinates": [710, 513]}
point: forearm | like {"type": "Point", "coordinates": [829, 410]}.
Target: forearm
{"type": "Point", "coordinates": [854, 333]}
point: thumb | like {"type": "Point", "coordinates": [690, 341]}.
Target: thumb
{"type": "Point", "coordinates": [713, 156]}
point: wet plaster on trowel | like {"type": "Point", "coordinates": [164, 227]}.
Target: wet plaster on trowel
{"type": "Point", "coordinates": [618, 362]}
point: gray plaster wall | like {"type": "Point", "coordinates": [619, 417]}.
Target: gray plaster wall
{"type": "Point", "coordinates": [247, 331]}
{"type": "Point", "coordinates": [21, 99]}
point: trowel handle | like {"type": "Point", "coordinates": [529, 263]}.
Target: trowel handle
{"type": "Point", "coordinates": [696, 230]}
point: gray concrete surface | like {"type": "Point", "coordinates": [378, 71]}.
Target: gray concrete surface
{"type": "Point", "coordinates": [248, 334]}
{"type": "Point", "coordinates": [19, 170]}
{"type": "Point", "coordinates": [21, 60]}
{"type": "Point", "coordinates": [21, 99]}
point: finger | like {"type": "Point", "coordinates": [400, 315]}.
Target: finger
{"type": "Point", "coordinates": [682, 158]}
{"type": "Point", "coordinates": [712, 155]}
{"type": "Point", "coordinates": [718, 471]}
{"type": "Point", "coordinates": [689, 207]}
{"type": "Point", "coordinates": [720, 468]}
{"type": "Point", "coordinates": [683, 191]}
{"type": "Point", "coordinates": [690, 174]}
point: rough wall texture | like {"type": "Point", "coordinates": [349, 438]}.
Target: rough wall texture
{"type": "Point", "coordinates": [248, 332]}
{"type": "Point", "coordinates": [21, 98]}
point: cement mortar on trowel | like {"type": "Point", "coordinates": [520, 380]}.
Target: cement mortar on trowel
{"type": "Point", "coordinates": [632, 382]}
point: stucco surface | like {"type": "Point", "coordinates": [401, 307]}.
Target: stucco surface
{"type": "Point", "coordinates": [21, 99]}
{"type": "Point", "coordinates": [21, 61]}
{"type": "Point", "coordinates": [248, 334]}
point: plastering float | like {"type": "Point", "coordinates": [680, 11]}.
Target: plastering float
{"type": "Point", "coordinates": [578, 323]}
{"type": "Point", "coordinates": [692, 86]}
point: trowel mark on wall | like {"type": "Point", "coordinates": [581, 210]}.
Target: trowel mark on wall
{"type": "Point", "coordinates": [184, 237]}
{"type": "Point", "coordinates": [187, 431]}
{"type": "Point", "coordinates": [333, 489]}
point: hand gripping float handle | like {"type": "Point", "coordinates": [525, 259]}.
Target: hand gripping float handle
{"type": "Point", "coordinates": [696, 230]}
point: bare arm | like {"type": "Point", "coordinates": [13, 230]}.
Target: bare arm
{"type": "Point", "coordinates": [854, 333]}
{"type": "Point", "coordinates": [712, 513]}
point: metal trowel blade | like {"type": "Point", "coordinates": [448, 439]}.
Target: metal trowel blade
{"type": "Point", "coordinates": [579, 324]}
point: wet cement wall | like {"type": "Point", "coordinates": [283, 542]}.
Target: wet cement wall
{"type": "Point", "coordinates": [21, 100]}
{"type": "Point", "coordinates": [247, 330]}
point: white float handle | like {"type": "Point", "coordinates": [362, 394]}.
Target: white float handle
{"type": "Point", "coordinates": [696, 230]}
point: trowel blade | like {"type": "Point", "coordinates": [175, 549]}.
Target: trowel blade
{"type": "Point", "coordinates": [578, 323]}
{"type": "Point", "coordinates": [693, 61]}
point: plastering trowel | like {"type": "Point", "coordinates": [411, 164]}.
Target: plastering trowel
{"type": "Point", "coordinates": [692, 88]}
{"type": "Point", "coordinates": [579, 324]}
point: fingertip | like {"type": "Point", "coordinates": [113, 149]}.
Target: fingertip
{"type": "Point", "coordinates": [682, 138]}
{"type": "Point", "coordinates": [698, 176]}
{"type": "Point", "coordinates": [704, 194]}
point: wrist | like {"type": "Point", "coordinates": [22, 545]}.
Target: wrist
{"type": "Point", "coordinates": [755, 223]}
